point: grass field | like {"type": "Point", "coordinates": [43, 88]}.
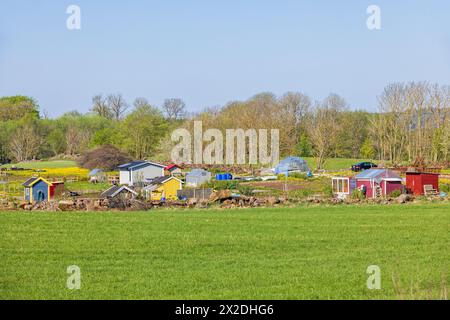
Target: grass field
{"type": "Point", "coordinates": [298, 253]}
{"type": "Point", "coordinates": [57, 164]}
{"type": "Point", "coordinates": [335, 163]}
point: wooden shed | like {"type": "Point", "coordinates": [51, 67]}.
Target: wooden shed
{"type": "Point", "coordinates": [379, 182]}
{"type": "Point", "coordinates": [38, 189]}
{"type": "Point", "coordinates": [416, 182]}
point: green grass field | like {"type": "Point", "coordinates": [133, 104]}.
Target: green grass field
{"type": "Point", "coordinates": [57, 164]}
{"type": "Point", "coordinates": [335, 163]}
{"type": "Point", "coordinates": [298, 253]}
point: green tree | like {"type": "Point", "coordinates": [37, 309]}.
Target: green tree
{"type": "Point", "coordinates": [142, 130]}
{"type": "Point", "coordinates": [367, 149]}
{"type": "Point", "coordinates": [304, 146]}
{"type": "Point", "coordinates": [17, 107]}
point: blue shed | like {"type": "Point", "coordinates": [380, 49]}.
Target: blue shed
{"type": "Point", "coordinates": [37, 190]}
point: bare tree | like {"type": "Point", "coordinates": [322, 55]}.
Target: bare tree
{"type": "Point", "coordinates": [140, 102]}
{"type": "Point", "coordinates": [77, 139]}
{"type": "Point", "coordinates": [100, 107]}
{"type": "Point", "coordinates": [174, 109]}
{"type": "Point", "coordinates": [24, 144]}
{"type": "Point", "coordinates": [324, 127]}
{"type": "Point", "coordinates": [117, 106]}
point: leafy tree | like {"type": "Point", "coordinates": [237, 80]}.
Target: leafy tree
{"type": "Point", "coordinates": [17, 107]}
{"type": "Point", "coordinates": [367, 149]}
{"type": "Point", "coordinates": [304, 146]}
{"type": "Point", "coordinates": [142, 130]}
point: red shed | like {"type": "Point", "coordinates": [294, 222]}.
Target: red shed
{"type": "Point", "coordinates": [379, 182]}
{"type": "Point", "coordinates": [415, 182]}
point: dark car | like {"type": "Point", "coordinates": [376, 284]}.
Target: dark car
{"type": "Point", "coordinates": [363, 166]}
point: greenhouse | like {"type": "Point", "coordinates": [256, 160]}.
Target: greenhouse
{"type": "Point", "coordinates": [290, 165]}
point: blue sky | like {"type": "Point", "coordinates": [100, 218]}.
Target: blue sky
{"type": "Point", "coordinates": [211, 52]}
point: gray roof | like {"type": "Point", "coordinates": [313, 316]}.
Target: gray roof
{"type": "Point", "coordinates": [95, 171]}
{"type": "Point", "coordinates": [31, 181]}
{"type": "Point", "coordinates": [138, 165]}
{"type": "Point", "coordinates": [115, 190]}
{"type": "Point", "coordinates": [378, 175]}
{"type": "Point", "coordinates": [155, 183]}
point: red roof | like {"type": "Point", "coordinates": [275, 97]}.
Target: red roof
{"type": "Point", "coordinates": [171, 166]}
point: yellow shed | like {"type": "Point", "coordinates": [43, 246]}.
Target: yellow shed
{"type": "Point", "coordinates": [163, 188]}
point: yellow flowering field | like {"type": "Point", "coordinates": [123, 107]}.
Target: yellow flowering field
{"type": "Point", "coordinates": [53, 172]}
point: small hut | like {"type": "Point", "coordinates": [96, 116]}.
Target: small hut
{"type": "Point", "coordinates": [97, 176]}
{"type": "Point", "coordinates": [197, 177]}
{"type": "Point", "coordinates": [38, 189]}
{"type": "Point", "coordinates": [172, 170]}
{"type": "Point", "coordinates": [163, 188]}
{"type": "Point", "coordinates": [422, 183]}
{"type": "Point", "coordinates": [379, 182]}
{"type": "Point", "coordinates": [119, 192]}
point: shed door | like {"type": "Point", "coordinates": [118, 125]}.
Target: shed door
{"type": "Point", "coordinates": [40, 196]}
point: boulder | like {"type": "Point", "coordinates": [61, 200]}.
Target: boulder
{"type": "Point", "coordinates": [272, 201]}
{"type": "Point", "coordinates": [66, 205]}
{"type": "Point", "coordinates": [403, 198]}
{"type": "Point", "coordinates": [220, 195]}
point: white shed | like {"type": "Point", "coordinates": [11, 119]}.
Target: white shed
{"type": "Point", "coordinates": [139, 172]}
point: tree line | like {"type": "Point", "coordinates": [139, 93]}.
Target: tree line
{"type": "Point", "coordinates": [412, 122]}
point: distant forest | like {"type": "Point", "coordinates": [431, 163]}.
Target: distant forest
{"type": "Point", "coordinates": [412, 123]}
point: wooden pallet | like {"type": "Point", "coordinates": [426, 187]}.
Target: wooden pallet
{"type": "Point", "coordinates": [429, 190]}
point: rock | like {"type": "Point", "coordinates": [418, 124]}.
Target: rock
{"type": "Point", "coordinates": [220, 195]}
{"type": "Point", "coordinates": [66, 205]}
{"type": "Point", "coordinates": [403, 198]}
{"type": "Point", "coordinates": [192, 202]}
{"type": "Point", "coordinates": [271, 201]}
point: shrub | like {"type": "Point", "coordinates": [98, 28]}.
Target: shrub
{"type": "Point", "coordinates": [298, 175]}
{"type": "Point", "coordinates": [445, 187]}
{"type": "Point", "coordinates": [223, 185]}
{"type": "Point", "coordinates": [106, 157]}
{"type": "Point", "coordinates": [357, 195]}
{"type": "Point", "coordinates": [395, 194]}
{"type": "Point", "coordinates": [245, 190]}
{"type": "Point", "coordinates": [328, 191]}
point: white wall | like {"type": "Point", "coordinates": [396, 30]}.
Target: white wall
{"type": "Point", "coordinates": [150, 172]}
{"type": "Point", "coordinates": [124, 177]}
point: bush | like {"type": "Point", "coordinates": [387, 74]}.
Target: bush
{"type": "Point", "coordinates": [245, 190]}
{"type": "Point", "coordinates": [106, 157]}
{"type": "Point", "coordinates": [328, 191]}
{"type": "Point", "coordinates": [223, 185]}
{"type": "Point", "coordinates": [357, 195]}
{"type": "Point", "coordinates": [445, 187]}
{"type": "Point", "coordinates": [395, 194]}
{"type": "Point", "coordinates": [298, 175]}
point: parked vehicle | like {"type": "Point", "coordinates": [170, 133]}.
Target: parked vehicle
{"type": "Point", "coordinates": [363, 166]}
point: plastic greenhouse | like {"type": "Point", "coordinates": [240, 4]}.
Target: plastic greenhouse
{"type": "Point", "coordinates": [292, 164]}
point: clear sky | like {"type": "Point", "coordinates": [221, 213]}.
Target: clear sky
{"type": "Point", "coordinates": [210, 52]}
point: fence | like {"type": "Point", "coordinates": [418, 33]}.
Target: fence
{"type": "Point", "coordinates": [195, 193]}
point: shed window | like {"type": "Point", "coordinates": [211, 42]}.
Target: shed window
{"type": "Point", "coordinates": [341, 185]}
